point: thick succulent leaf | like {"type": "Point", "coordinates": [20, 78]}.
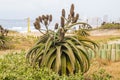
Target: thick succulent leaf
{"type": "Point", "coordinates": [58, 59]}
{"type": "Point", "coordinates": [48, 44]}
{"type": "Point", "coordinates": [78, 23]}
{"type": "Point", "coordinates": [38, 53]}
{"type": "Point", "coordinates": [47, 47]}
{"type": "Point", "coordinates": [30, 54]}
{"type": "Point", "coordinates": [89, 46]}
{"type": "Point", "coordinates": [36, 58]}
{"type": "Point", "coordinates": [69, 57]}
{"type": "Point", "coordinates": [77, 66]}
{"type": "Point", "coordinates": [85, 58]}
{"type": "Point", "coordinates": [69, 66]}
{"type": "Point", "coordinates": [77, 53]}
{"type": "Point", "coordinates": [48, 55]}
{"type": "Point", "coordinates": [75, 40]}
{"type": "Point", "coordinates": [63, 64]}
{"type": "Point", "coordinates": [69, 52]}
{"type": "Point", "coordinates": [33, 49]}
{"type": "Point", "coordinates": [84, 39]}
{"type": "Point", "coordinates": [51, 60]}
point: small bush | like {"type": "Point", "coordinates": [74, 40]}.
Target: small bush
{"type": "Point", "coordinates": [110, 26]}
{"type": "Point", "coordinates": [99, 75]}
{"type": "Point", "coordinates": [3, 39]}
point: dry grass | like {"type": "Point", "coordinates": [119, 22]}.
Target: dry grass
{"type": "Point", "coordinates": [18, 41]}
{"type": "Point", "coordinates": [112, 68]}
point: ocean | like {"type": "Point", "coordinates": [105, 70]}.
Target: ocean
{"type": "Point", "coordinates": [17, 25]}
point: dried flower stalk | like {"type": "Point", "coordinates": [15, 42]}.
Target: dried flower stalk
{"type": "Point", "coordinates": [50, 18]}
{"type": "Point", "coordinates": [56, 26]}
{"type": "Point", "coordinates": [47, 17]}
{"type": "Point", "coordinates": [72, 10]}
{"type": "Point", "coordinates": [63, 12]}
{"type": "Point", "coordinates": [37, 19]}
{"type": "Point", "coordinates": [43, 17]}
{"type": "Point", "coordinates": [45, 22]}
{"type": "Point", "coordinates": [62, 22]}
{"type": "Point", "coordinates": [40, 18]}
{"type": "Point", "coordinates": [37, 25]}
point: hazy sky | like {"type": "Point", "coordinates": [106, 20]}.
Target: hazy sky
{"type": "Point", "coordinates": [20, 9]}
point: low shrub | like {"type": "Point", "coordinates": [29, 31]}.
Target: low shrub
{"type": "Point", "coordinates": [110, 26]}
{"type": "Point", "coordinates": [13, 67]}
{"type": "Point", "coordinates": [101, 74]}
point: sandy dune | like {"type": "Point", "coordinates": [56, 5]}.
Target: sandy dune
{"type": "Point", "coordinates": [104, 32]}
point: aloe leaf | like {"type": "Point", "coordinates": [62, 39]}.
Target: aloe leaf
{"type": "Point", "coordinates": [70, 53]}
{"type": "Point", "coordinates": [77, 54]}
{"type": "Point", "coordinates": [48, 55]}
{"type": "Point", "coordinates": [58, 59]}
{"type": "Point", "coordinates": [63, 62]}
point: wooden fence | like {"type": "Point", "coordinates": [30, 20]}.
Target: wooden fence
{"type": "Point", "coordinates": [107, 52]}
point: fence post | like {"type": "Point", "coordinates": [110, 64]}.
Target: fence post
{"type": "Point", "coordinates": [28, 21]}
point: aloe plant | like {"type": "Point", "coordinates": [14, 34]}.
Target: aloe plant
{"type": "Point", "coordinates": [62, 53]}
{"type": "Point", "coordinates": [3, 34]}
{"type": "Point", "coordinates": [83, 30]}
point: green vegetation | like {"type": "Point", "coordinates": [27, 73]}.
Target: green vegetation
{"type": "Point", "coordinates": [99, 75]}
{"type": "Point", "coordinates": [2, 42]}
{"type": "Point", "coordinates": [13, 67]}
{"type": "Point", "coordinates": [110, 25]}
{"type": "Point", "coordinates": [82, 32]}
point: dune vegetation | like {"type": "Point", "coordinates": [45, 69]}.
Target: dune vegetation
{"type": "Point", "coordinates": [57, 54]}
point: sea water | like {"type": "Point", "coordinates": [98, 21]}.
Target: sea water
{"type": "Point", "coordinates": [20, 25]}
{"type": "Point", "coordinates": [17, 25]}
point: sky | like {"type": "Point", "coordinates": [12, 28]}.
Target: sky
{"type": "Point", "coordinates": [21, 9]}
